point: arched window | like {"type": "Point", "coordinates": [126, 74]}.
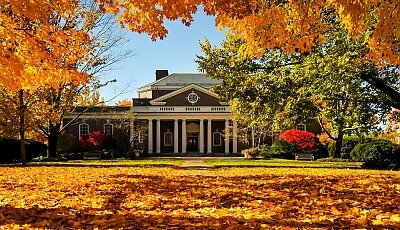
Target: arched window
{"type": "Point", "coordinates": [108, 129]}
{"type": "Point", "coordinates": [301, 127]}
{"type": "Point", "coordinates": [217, 139]}
{"type": "Point", "coordinates": [168, 139]}
{"type": "Point", "coordinates": [83, 130]}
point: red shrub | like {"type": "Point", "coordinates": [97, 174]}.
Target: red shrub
{"type": "Point", "coordinates": [305, 140]}
{"type": "Point", "coordinates": [93, 139]}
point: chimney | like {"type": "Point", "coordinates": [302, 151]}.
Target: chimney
{"type": "Point", "coordinates": [161, 74]}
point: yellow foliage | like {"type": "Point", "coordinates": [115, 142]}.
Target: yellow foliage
{"type": "Point", "coordinates": [224, 198]}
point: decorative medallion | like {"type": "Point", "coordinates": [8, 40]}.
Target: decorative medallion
{"type": "Point", "coordinates": [193, 97]}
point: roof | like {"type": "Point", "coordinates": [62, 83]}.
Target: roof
{"type": "Point", "coordinates": [98, 109]}
{"type": "Point", "coordinates": [179, 80]}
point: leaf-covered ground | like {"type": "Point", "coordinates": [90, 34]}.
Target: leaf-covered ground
{"type": "Point", "coordinates": [233, 198]}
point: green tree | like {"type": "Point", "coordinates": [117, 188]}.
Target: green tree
{"type": "Point", "coordinates": [280, 89]}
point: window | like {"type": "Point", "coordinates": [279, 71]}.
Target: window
{"type": "Point", "coordinates": [140, 137]}
{"type": "Point", "coordinates": [301, 127]}
{"type": "Point", "coordinates": [83, 130]}
{"type": "Point", "coordinates": [108, 129]}
{"type": "Point", "coordinates": [217, 139]}
{"type": "Point", "coordinates": [168, 139]}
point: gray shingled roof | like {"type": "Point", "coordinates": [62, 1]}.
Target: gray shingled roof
{"type": "Point", "coordinates": [183, 79]}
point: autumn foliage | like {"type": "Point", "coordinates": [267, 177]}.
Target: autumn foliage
{"type": "Point", "coordinates": [168, 198]}
{"type": "Point", "coordinates": [303, 139]}
{"type": "Point", "coordinates": [93, 140]}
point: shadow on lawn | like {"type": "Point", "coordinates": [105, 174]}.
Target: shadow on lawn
{"type": "Point", "coordinates": [297, 198]}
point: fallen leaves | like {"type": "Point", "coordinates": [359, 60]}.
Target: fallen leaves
{"type": "Point", "coordinates": [234, 198]}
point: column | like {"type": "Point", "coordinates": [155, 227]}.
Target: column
{"type": "Point", "coordinates": [176, 136]}
{"type": "Point", "coordinates": [158, 137]}
{"type": "Point", "coordinates": [201, 141]}
{"type": "Point", "coordinates": [150, 141]}
{"type": "Point", "coordinates": [184, 136]}
{"type": "Point", "coordinates": [132, 132]}
{"type": "Point", "coordinates": [235, 140]}
{"type": "Point", "coordinates": [227, 136]}
{"type": "Point", "coordinates": [209, 139]}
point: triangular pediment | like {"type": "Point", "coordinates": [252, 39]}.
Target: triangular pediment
{"type": "Point", "coordinates": [182, 93]}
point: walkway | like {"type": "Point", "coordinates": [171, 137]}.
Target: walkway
{"type": "Point", "coordinates": [195, 164]}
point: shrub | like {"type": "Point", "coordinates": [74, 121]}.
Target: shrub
{"type": "Point", "coordinates": [303, 139]}
{"type": "Point", "coordinates": [94, 140]}
{"type": "Point", "coordinates": [11, 150]}
{"type": "Point", "coordinates": [282, 149]}
{"type": "Point", "coordinates": [379, 154]}
{"type": "Point", "coordinates": [348, 144]}
{"type": "Point", "coordinates": [251, 152]}
{"type": "Point", "coordinates": [72, 156]}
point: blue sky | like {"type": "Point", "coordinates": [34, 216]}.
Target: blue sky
{"type": "Point", "coordinates": [176, 53]}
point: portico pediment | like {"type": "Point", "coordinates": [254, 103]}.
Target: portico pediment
{"type": "Point", "coordinates": [187, 96]}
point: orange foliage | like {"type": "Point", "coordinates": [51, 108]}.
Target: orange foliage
{"type": "Point", "coordinates": [124, 102]}
{"type": "Point", "coordinates": [292, 26]}
{"type": "Point", "coordinates": [34, 50]}
{"type": "Point", "coordinates": [165, 198]}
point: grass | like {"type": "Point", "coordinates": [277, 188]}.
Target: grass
{"type": "Point", "coordinates": [282, 163]}
{"type": "Point", "coordinates": [115, 162]}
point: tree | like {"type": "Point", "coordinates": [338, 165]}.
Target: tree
{"type": "Point", "coordinates": [125, 102]}
{"type": "Point", "coordinates": [292, 26]}
{"type": "Point", "coordinates": [60, 97]}
{"type": "Point", "coordinates": [283, 89]}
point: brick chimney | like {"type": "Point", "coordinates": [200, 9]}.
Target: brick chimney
{"type": "Point", "coordinates": [161, 74]}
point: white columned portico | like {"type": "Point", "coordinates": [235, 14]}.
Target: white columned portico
{"type": "Point", "coordinates": [226, 136]}
{"type": "Point", "coordinates": [150, 141]}
{"type": "Point", "coordinates": [184, 136]}
{"type": "Point", "coordinates": [201, 141]}
{"type": "Point", "coordinates": [158, 136]}
{"type": "Point", "coordinates": [209, 139]}
{"type": "Point", "coordinates": [235, 140]}
{"type": "Point", "coordinates": [176, 136]}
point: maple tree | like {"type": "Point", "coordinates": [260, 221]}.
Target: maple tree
{"type": "Point", "coordinates": [292, 26]}
{"type": "Point", "coordinates": [303, 139]}
{"type": "Point", "coordinates": [228, 198]}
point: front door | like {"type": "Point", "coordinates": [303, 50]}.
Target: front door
{"type": "Point", "coordinates": [193, 144]}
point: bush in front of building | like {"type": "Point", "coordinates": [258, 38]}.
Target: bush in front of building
{"type": "Point", "coordinates": [11, 150]}
{"type": "Point", "coordinates": [304, 140]}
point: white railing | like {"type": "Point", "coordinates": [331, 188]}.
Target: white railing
{"type": "Point", "coordinates": [182, 109]}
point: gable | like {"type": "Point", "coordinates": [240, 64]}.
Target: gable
{"type": "Point", "coordinates": [180, 97]}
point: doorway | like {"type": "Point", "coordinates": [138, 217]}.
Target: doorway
{"type": "Point", "coordinates": [193, 144]}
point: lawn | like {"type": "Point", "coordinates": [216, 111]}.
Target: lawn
{"type": "Point", "coordinates": [282, 163]}
{"type": "Point", "coordinates": [114, 162]}
{"type": "Point", "coordinates": [223, 198]}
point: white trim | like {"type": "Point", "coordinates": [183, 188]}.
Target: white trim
{"type": "Point", "coordinates": [220, 139]}
{"type": "Point", "coordinates": [88, 129]}
{"type": "Point", "coordinates": [181, 90]}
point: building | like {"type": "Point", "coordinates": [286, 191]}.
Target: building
{"type": "Point", "coordinates": [176, 114]}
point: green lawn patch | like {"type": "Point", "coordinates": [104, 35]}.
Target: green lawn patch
{"type": "Point", "coordinates": [281, 163]}
{"type": "Point", "coordinates": [115, 162]}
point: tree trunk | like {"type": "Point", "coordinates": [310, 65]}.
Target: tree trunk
{"type": "Point", "coordinates": [52, 140]}
{"type": "Point", "coordinates": [338, 144]}
{"type": "Point", "coordinates": [22, 126]}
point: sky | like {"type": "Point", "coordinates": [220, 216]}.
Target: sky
{"type": "Point", "coordinates": [176, 53]}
